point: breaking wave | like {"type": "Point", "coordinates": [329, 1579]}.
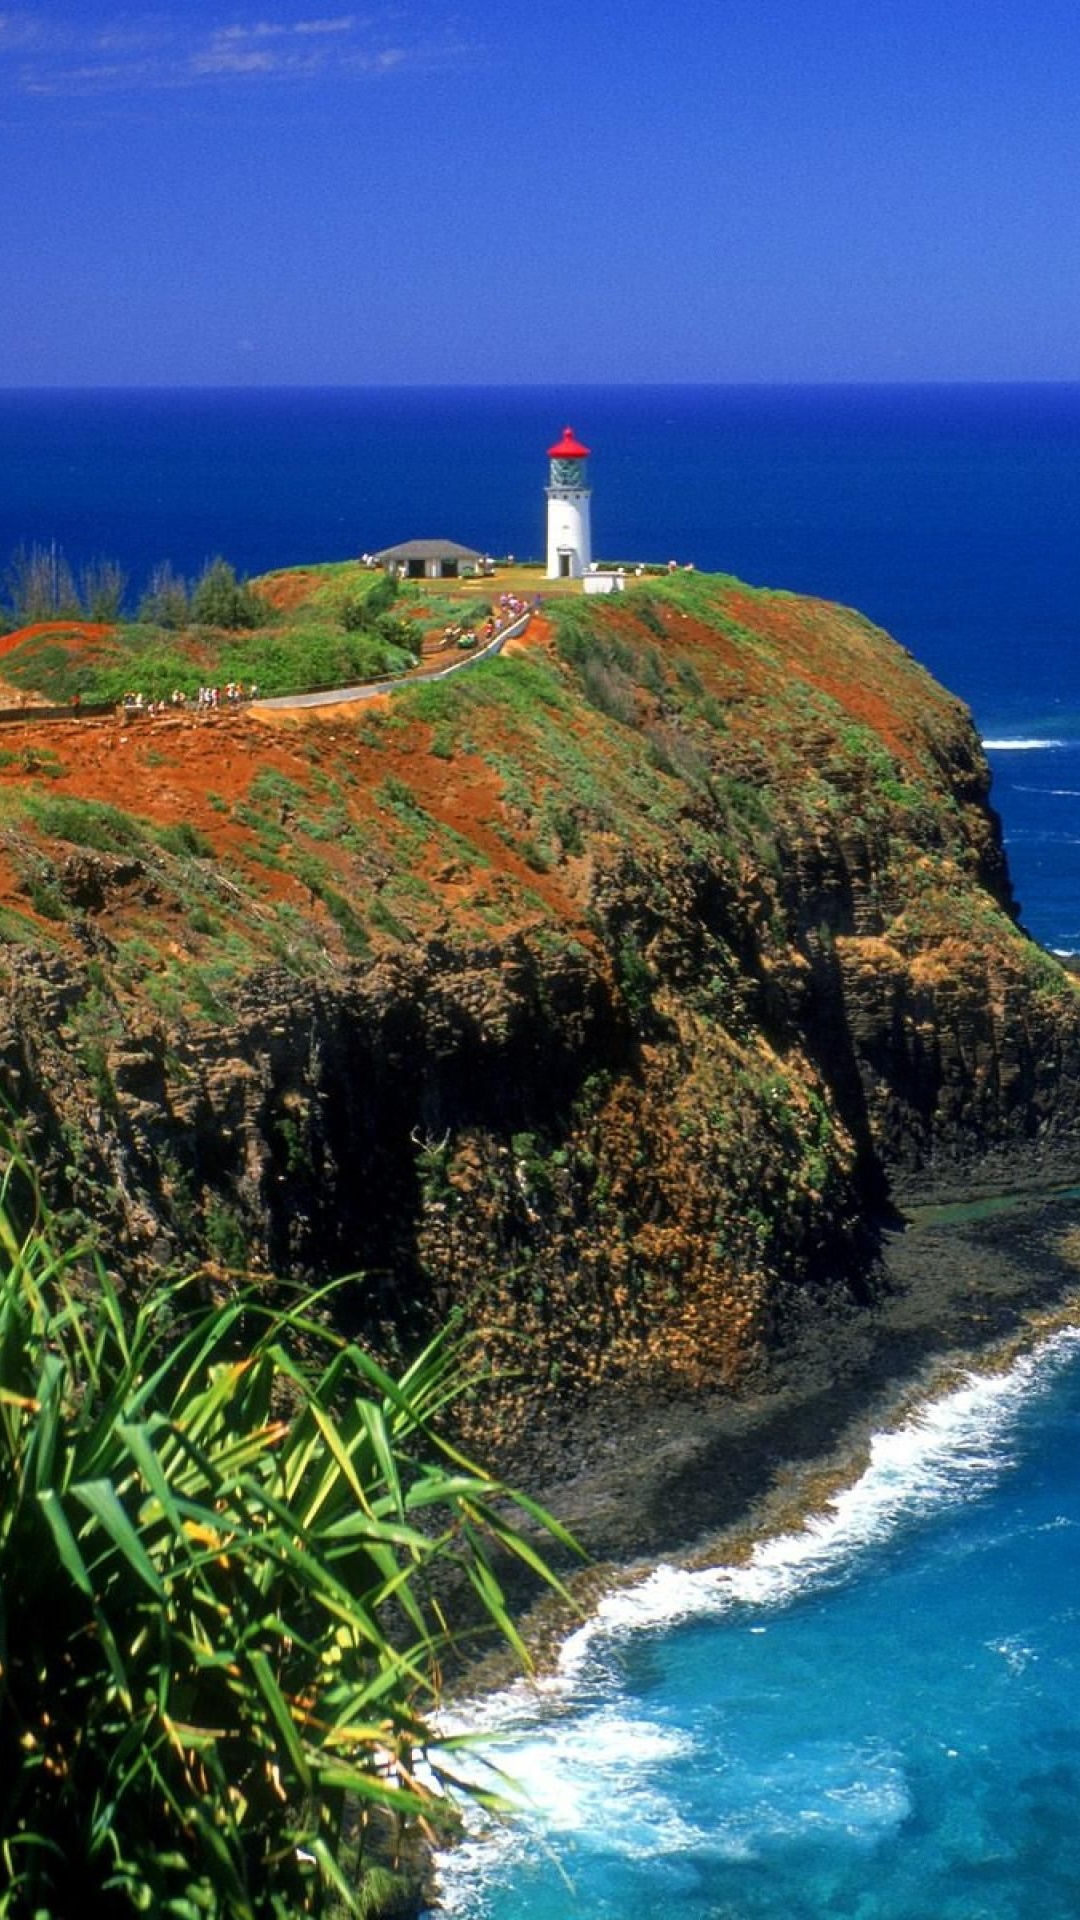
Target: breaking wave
{"type": "Point", "coordinates": [602, 1771]}
{"type": "Point", "coordinates": [1021, 745]}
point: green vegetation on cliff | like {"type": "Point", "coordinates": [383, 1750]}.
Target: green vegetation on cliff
{"type": "Point", "coordinates": [318, 627]}
{"type": "Point", "coordinates": [601, 992]}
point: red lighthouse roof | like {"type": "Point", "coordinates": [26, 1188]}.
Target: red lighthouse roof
{"type": "Point", "coordinates": [568, 448]}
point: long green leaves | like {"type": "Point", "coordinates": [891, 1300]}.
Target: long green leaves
{"type": "Point", "coordinates": [223, 1581]}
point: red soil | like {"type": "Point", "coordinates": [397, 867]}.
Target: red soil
{"type": "Point", "coordinates": [176, 768]}
{"type": "Point", "coordinates": [173, 769]}
{"type": "Point", "coordinates": [287, 590]}
{"type": "Point", "coordinates": [58, 629]}
{"type": "Point", "coordinates": [834, 652]}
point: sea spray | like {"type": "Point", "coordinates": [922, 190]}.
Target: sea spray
{"type": "Point", "coordinates": [625, 1766]}
{"type": "Point", "coordinates": [1021, 746]}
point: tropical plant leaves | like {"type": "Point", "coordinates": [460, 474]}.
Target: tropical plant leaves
{"type": "Point", "coordinates": [220, 1641]}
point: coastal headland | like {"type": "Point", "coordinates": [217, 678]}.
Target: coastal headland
{"type": "Point", "coordinates": [619, 998]}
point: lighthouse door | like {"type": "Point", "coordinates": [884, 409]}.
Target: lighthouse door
{"type": "Point", "coordinates": [565, 562]}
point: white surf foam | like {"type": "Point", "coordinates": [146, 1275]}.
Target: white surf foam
{"type": "Point", "coordinates": [587, 1778]}
{"type": "Point", "coordinates": [567, 1780]}
{"type": "Point", "coordinates": [574, 1742]}
{"type": "Point", "coordinates": [604, 1782]}
{"type": "Point", "coordinates": [952, 1448]}
{"type": "Point", "coordinates": [1021, 745]}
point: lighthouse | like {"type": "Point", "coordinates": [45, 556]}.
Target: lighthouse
{"type": "Point", "coordinates": [569, 541]}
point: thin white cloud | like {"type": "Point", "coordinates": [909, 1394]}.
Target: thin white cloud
{"type": "Point", "coordinates": [19, 31]}
{"type": "Point", "coordinates": [262, 30]}
{"type": "Point", "coordinates": [236, 60]}
{"type": "Point", "coordinates": [148, 52]}
{"type": "Point", "coordinates": [281, 29]}
{"type": "Point", "coordinates": [344, 25]}
{"type": "Point", "coordinates": [131, 37]}
{"type": "Point", "coordinates": [386, 59]}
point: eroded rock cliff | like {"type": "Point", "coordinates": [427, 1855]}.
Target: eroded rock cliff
{"type": "Point", "coordinates": [608, 994]}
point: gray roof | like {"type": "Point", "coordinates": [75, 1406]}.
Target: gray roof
{"type": "Point", "coordinates": [428, 550]}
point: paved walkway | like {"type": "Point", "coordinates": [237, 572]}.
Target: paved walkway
{"type": "Point", "coordinates": [339, 696]}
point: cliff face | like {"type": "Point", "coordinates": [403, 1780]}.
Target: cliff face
{"type": "Point", "coordinates": [604, 994]}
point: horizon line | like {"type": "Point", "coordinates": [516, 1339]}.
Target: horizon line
{"type": "Point", "coordinates": [515, 386]}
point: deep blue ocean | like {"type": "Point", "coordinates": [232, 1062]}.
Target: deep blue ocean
{"type": "Point", "coordinates": [951, 515]}
{"type": "Point", "coordinates": [880, 1716]}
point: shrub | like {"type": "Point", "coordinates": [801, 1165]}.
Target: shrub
{"type": "Point", "coordinates": [635, 978]}
{"type": "Point", "coordinates": [204, 1540]}
{"type": "Point", "coordinates": [354, 614]}
{"type": "Point", "coordinates": [608, 689]}
{"type": "Point", "coordinates": [85, 823]}
{"type": "Point", "coordinates": [368, 606]}
{"type": "Point", "coordinates": [219, 599]}
{"type": "Point", "coordinates": [291, 659]}
{"type": "Point", "coordinates": [48, 667]}
{"type": "Point", "coordinates": [179, 836]}
{"type": "Point", "coordinates": [357, 617]}
{"type": "Point", "coordinates": [380, 598]}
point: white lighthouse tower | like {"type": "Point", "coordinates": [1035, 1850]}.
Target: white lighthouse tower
{"type": "Point", "coordinates": [569, 542]}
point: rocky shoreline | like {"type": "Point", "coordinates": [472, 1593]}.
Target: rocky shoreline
{"type": "Point", "coordinates": [699, 1479]}
{"type": "Point", "coordinates": [968, 1284]}
{"type": "Point", "coordinates": [601, 1011]}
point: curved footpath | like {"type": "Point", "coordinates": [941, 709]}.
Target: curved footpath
{"type": "Point", "coordinates": [340, 696]}
{"type": "Point", "coordinates": [287, 702]}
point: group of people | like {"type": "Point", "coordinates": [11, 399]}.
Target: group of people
{"type": "Point", "coordinates": [508, 608]}
{"type": "Point", "coordinates": [511, 606]}
{"type": "Point", "coordinates": [207, 700]}
{"type": "Point", "coordinates": [228, 696]}
{"type": "Point", "coordinates": [505, 611]}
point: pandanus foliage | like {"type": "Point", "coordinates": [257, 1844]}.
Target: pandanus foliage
{"type": "Point", "coordinates": [225, 1570]}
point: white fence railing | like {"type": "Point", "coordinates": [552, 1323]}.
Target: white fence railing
{"type": "Point", "coordinates": [339, 696]}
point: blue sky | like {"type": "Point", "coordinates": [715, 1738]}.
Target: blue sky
{"type": "Point", "coordinates": [539, 191]}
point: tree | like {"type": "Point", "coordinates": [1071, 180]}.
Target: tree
{"type": "Point", "coordinates": [380, 598]}
{"type": "Point", "coordinates": [104, 584]}
{"type": "Point", "coordinates": [368, 612]}
{"type": "Point", "coordinates": [221, 600]}
{"type": "Point", "coordinates": [354, 614]}
{"type": "Point", "coordinates": [165, 602]}
{"type": "Point", "coordinates": [41, 586]}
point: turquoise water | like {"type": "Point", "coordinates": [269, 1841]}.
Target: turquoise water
{"type": "Point", "coordinates": [879, 1717]}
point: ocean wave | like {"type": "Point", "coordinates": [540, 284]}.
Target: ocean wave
{"type": "Point", "coordinates": [608, 1783]}
{"type": "Point", "coordinates": [567, 1777]}
{"type": "Point", "coordinates": [951, 1449]}
{"type": "Point", "coordinates": [576, 1746]}
{"type": "Point", "coordinates": [1021, 745]}
{"type": "Point", "coordinates": [1055, 793]}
